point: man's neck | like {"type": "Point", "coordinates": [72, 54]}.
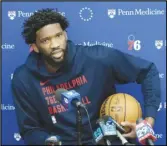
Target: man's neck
{"type": "Point", "coordinates": [50, 68]}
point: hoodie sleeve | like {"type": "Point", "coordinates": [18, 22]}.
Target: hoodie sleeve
{"type": "Point", "coordinates": [127, 68]}
{"type": "Point", "coordinates": [27, 116]}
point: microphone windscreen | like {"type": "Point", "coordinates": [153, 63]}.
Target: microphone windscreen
{"type": "Point", "coordinates": [58, 93]}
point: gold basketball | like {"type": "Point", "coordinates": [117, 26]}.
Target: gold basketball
{"type": "Point", "coordinates": [121, 107]}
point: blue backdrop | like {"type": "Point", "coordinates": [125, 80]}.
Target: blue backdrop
{"type": "Point", "coordinates": [138, 28]}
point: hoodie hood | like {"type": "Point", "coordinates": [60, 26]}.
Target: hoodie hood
{"type": "Point", "coordinates": [35, 62]}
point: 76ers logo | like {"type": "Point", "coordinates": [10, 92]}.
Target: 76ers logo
{"type": "Point", "coordinates": [133, 44]}
{"type": "Point", "coordinates": [11, 15]}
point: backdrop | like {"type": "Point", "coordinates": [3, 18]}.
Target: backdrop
{"type": "Point", "coordinates": [138, 28]}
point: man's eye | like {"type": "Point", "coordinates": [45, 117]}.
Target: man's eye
{"type": "Point", "coordinates": [59, 35]}
{"type": "Point", "coordinates": [45, 41]}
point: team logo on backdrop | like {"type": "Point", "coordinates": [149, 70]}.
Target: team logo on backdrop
{"type": "Point", "coordinates": [111, 13]}
{"type": "Point", "coordinates": [133, 44]}
{"type": "Point", "coordinates": [158, 44]}
{"type": "Point", "coordinates": [11, 15]}
{"type": "Point", "coordinates": [17, 136]}
{"type": "Point", "coordinates": [86, 14]}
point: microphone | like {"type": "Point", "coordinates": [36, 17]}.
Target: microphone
{"type": "Point", "coordinates": [144, 132]}
{"type": "Point", "coordinates": [98, 135]}
{"type": "Point", "coordinates": [69, 99]}
{"type": "Point", "coordinates": [108, 130]}
{"type": "Point", "coordinates": [123, 140]}
{"type": "Point", "coordinates": [65, 97]}
{"type": "Point", "coordinates": [118, 126]}
{"type": "Point", "coordinates": [53, 140]}
{"type": "Point", "coordinates": [117, 130]}
{"type": "Point", "coordinates": [107, 126]}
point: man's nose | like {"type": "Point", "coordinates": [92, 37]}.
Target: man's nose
{"type": "Point", "coordinates": [55, 44]}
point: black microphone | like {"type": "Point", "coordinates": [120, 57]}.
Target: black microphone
{"type": "Point", "coordinates": [65, 97]}
{"type": "Point", "coordinates": [145, 132]}
{"type": "Point", "coordinates": [53, 140]}
{"type": "Point", "coordinates": [68, 98]}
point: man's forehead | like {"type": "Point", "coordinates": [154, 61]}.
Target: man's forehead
{"type": "Point", "coordinates": [49, 29]}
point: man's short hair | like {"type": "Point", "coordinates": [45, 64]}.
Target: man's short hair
{"type": "Point", "coordinates": [38, 20]}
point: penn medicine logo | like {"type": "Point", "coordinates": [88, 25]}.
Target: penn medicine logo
{"type": "Point", "coordinates": [162, 106]}
{"type": "Point", "coordinates": [93, 43]}
{"type": "Point", "coordinates": [111, 13]}
{"type": "Point", "coordinates": [158, 44]}
{"type": "Point", "coordinates": [161, 75]}
{"type": "Point", "coordinates": [7, 107]}
{"type": "Point", "coordinates": [17, 136]}
{"type": "Point", "coordinates": [138, 12]}
{"type": "Point", "coordinates": [7, 46]}
{"type": "Point", "coordinates": [13, 14]}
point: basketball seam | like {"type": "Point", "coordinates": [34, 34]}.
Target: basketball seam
{"type": "Point", "coordinates": [105, 105]}
{"type": "Point", "coordinates": [109, 104]}
{"type": "Point", "coordinates": [105, 102]}
{"type": "Point", "coordinates": [125, 108]}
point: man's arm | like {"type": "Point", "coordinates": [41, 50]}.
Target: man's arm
{"type": "Point", "coordinates": [27, 116]}
{"type": "Point", "coordinates": [127, 68]}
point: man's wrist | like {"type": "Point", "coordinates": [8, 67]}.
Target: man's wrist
{"type": "Point", "coordinates": [150, 120]}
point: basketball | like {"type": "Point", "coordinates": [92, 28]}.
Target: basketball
{"type": "Point", "coordinates": [121, 107]}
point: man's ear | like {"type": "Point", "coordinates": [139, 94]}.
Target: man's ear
{"type": "Point", "coordinates": [35, 48]}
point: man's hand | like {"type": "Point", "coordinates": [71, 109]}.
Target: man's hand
{"type": "Point", "coordinates": [150, 120]}
{"type": "Point", "coordinates": [132, 126]}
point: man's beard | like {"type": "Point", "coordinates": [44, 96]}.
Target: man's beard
{"type": "Point", "coordinates": [51, 61]}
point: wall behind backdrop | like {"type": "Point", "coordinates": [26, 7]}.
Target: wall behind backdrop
{"type": "Point", "coordinates": [138, 28]}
